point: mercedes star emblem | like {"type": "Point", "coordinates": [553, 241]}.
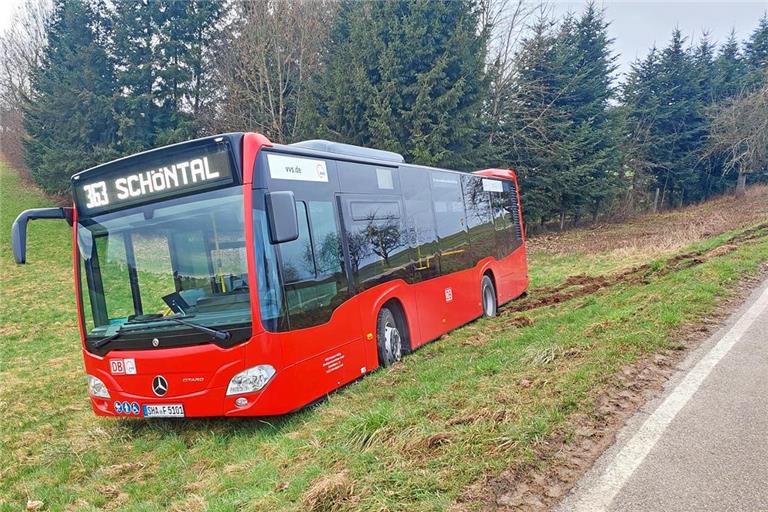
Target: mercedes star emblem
{"type": "Point", "coordinates": [160, 385]}
{"type": "Point", "coordinates": [155, 342]}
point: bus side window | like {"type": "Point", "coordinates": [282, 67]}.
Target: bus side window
{"type": "Point", "coordinates": [512, 212]}
{"type": "Point", "coordinates": [420, 224]}
{"type": "Point", "coordinates": [451, 223]}
{"type": "Point", "coordinates": [477, 202]}
{"type": "Point", "coordinates": [298, 263]}
{"type": "Point", "coordinates": [315, 283]}
{"type": "Point", "coordinates": [376, 239]}
{"type": "Point", "coordinates": [271, 306]}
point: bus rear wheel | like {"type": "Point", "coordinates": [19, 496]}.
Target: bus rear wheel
{"type": "Point", "coordinates": [488, 295]}
{"type": "Point", "coordinates": [390, 337]}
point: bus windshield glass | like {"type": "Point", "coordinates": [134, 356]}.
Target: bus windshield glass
{"type": "Point", "coordinates": [146, 265]}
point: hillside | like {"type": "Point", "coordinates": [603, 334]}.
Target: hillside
{"type": "Point", "coordinates": [459, 423]}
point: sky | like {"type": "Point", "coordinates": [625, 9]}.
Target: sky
{"type": "Point", "coordinates": [636, 25]}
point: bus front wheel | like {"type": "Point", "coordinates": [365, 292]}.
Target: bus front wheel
{"type": "Point", "coordinates": [389, 337]}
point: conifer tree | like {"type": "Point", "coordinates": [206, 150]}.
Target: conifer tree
{"type": "Point", "coordinates": [70, 121]}
{"type": "Point", "coordinates": [530, 130]}
{"type": "Point", "coordinates": [585, 66]}
{"type": "Point", "coordinates": [730, 70]}
{"type": "Point", "coordinates": [756, 54]}
{"type": "Point", "coordinates": [162, 50]}
{"type": "Point", "coordinates": [406, 76]}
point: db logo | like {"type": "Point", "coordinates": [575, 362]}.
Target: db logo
{"type": "Point", "coordinates": [122, 366]}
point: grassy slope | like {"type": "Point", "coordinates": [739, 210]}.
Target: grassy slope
{"type": "Point", "coordinates": [412, 438]}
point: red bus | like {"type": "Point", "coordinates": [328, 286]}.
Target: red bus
{"type": "Point", "coordinates": [229, 276]}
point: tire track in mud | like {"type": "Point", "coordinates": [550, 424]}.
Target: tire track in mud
{"type": "Point", "coordinates": [581, 285]}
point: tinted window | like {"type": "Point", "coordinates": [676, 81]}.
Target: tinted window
{"type": "Point", "coordinates": [191, 269]}
{"type": "Point", "coordinates": [297, 259]}
{"type": "Point", "coordinates": [512, 211]}
{"type": "Point", "coordinates": [271, 302]}
{"type": "Point", "coordinates": [477, 203]}
{"type": "Point", "coordinates": [451, 224]}
{"type": "Point", "coordinates": [374, 210]}
{"type": "Point", "coordinates": [420, 223]}
{"type": "Point", "coordinates": [322, 285]}
{"type": "Point", "coordinates": [376, 240]}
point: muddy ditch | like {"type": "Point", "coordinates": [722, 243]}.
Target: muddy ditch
{"type": "Point", "coordinates": [582, 285]}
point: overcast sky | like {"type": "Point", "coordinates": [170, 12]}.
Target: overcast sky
{"type": "Point", "coordinates": [636, 25]}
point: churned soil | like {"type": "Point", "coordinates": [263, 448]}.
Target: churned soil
{"type": "Point", "coordinates": [582, 285]}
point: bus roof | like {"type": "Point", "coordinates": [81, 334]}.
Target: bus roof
{"type": "Point", "coordinates": [314, 147]}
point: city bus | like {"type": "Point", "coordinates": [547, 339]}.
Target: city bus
{"type": "Point", "coordinates": [230, 276]}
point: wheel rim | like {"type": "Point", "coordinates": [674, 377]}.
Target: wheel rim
{"type": "Point", "coordinates": [488, 300]}
{"type": "Point", "coordinates": [392, 340]}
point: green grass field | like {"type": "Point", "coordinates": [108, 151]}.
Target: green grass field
{"type": "Point", "coordinates": [478, 401]}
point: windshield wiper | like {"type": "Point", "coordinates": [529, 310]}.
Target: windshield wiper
{"type": "Point", "coordinates": [219, 335]}
{"type": "Point", "coordinates": [104, 341]}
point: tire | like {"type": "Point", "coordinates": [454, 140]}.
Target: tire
{"type": "Point", "coordinates": [390, 338]}
{"type": "Point", "coordinates": [488, 297]}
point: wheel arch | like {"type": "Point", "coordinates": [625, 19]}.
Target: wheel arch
{"type": "Point", "coordinates": [395, 305]}
{"type": "Point", "coordinates": [488, 271]}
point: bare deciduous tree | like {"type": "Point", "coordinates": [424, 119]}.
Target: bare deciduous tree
{"type": "Point", "coordinates": [266, 67]}
{"type": "Point", "coordinates": [507, 22]}
{"type": "Point", "coordinates": [21, 48]}
{"type": "Point", "coordinates": [739, 132]}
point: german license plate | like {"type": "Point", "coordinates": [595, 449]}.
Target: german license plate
{"type": "Point", "coordinates": [164, 411]}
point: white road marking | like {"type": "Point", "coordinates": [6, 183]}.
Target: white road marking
{"type": "Point", "coordinates": [609, 483]}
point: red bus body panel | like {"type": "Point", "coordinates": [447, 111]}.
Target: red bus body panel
{"type": "Point", "coordinates": [309, 363]}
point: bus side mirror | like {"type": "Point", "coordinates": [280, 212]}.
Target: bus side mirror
{"type": "Point", "coordinates": [281, 216]}
{"type": "Point", "coordinates": [19, 229]}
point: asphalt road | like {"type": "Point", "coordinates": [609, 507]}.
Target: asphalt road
{"type": "Point", "coordinates": [702, 445]}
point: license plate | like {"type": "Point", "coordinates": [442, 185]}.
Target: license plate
{"type": "Point", "coordinates": [164, 411]}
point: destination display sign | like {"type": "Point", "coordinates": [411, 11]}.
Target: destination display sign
{"type": "Point", "coordinates": [151, 179]}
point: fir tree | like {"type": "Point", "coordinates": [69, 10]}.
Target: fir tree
{"type": "Point", "coordinates": [756, 54]}
{"type": "Point", "coordinates": [585, 68]}
{"type": "Point", "coordinates": [136, 27]}
{"type": "Point", "coordinates": [407, 76]}
{"type": "Point", "coordinates": [163, 68]}
{"type": "Point", "coordinates": [70, 121]}
{"type": "Point", "coordinates": [530, 130]}
{"type": "Point", "coordinates": [730, 70]}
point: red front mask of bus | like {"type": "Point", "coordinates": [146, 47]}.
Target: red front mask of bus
{"type": "Point", "coordinates": [231, 276]}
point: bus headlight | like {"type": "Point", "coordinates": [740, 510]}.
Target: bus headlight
{"type": "Point", "coordinates": [252, 379]}
{"type": "Point", "coordinates": [96, 387]}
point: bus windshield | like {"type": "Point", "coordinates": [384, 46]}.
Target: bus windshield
{"type": "Point", "coordinates": [180, 257]}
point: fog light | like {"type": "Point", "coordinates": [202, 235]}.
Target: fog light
{"type": "Point", "coordinates": [241, 402]}
{"type": "Point", "coordinates": [252, 379]}
{"type": "Point", "coordinates": [96, 387]}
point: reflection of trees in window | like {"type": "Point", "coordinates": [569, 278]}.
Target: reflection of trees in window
{"type": "Point", "coordinates": [477, 202]}
{"type": "Point", "coordinates": [374, 241]}
{"type": "Point", "coordinates": [384, 236]}
{"type": "Point", "coordinates": [329, 254]}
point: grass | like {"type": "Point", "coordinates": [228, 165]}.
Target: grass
{"type": "Point", "coordinates": [478, 401]}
